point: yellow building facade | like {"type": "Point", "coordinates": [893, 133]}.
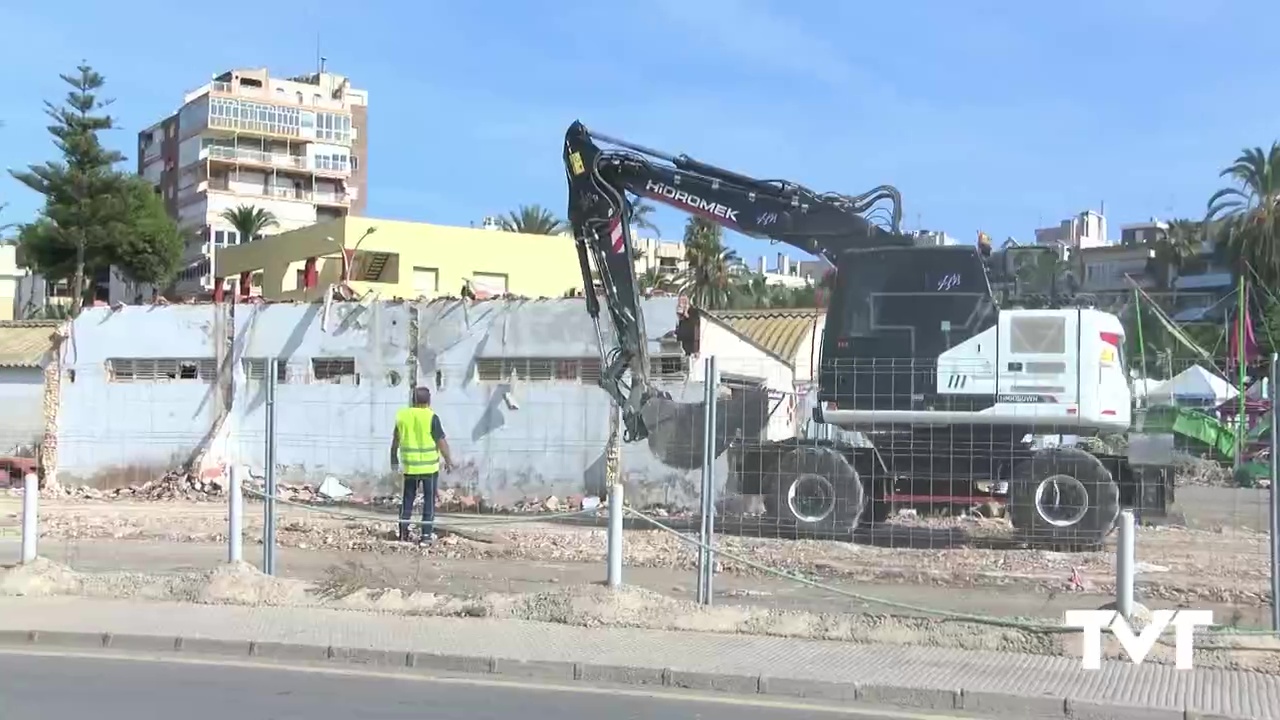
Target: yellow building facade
{"type": "Point", "coordinates": [402, 260]}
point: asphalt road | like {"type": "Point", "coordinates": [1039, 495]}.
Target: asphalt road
{"type": "Point", "coordinates": [56, 687]}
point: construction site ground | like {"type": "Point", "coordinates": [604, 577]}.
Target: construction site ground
{"type": "Point", "coordinates": [1217, 558]}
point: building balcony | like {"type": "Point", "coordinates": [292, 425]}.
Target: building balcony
{"type": "Point", "coordinates": [263, 125]}
{"type": "Point", "coordinates": [338, 198]}
{"type": "Point", "coordinates": [255, 127]}
{"type": "Point", "coordinates": [278, 192]}
{"type": "Point", "coordinates": [261, 94]}
{"type": "Point", "coordinates": [280, 161]}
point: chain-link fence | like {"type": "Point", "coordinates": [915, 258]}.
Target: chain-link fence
{"type": "Point", "coordinates": [905, 497]}
{"type": "Point", "coordinates": [918, 489]}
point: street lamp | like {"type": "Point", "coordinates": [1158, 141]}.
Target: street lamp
{"type": "Point", "coordinates": [349, 257]}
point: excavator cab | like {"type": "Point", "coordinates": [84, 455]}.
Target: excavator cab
{"type": "Point", "coordinates": [893, 312]}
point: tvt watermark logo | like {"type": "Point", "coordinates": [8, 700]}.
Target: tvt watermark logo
{"type": "Point", "coordinates": [1092, 623]}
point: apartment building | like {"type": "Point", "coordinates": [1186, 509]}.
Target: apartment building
{"type": "Point", "coordinates": [295, 147]}
{"type": "Point", "coordinates": [1086, 230]}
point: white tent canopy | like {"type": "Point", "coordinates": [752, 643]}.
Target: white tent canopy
{"type": "Point", "coordinates": [1193, 385]}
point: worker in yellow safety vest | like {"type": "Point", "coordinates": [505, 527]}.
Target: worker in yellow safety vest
{"type": "Point", "coordinates": [418, 447]}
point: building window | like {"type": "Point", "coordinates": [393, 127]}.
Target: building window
{"type": "Point", "coordinates": [225, 238]}
{"type": "Point", "coordinates": [486, 284]}
{"type": "Point", "coordinates": [300, 278]}
{"type": "Point", "coordinates": [668, 366]}
{"type": "Point", "coordinates": [426, 281]}
{"type": "Point", "coordinates": [335, 370]}
{"type": "Point", "coordinates": [256, 369]}
{"type": "Point", "coordinates": [161, 369]}
{"type": "Point", "coordinates": [586, 370]}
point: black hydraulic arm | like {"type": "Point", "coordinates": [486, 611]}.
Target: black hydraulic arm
{"type": "Point", "coordinates": [826, 224]}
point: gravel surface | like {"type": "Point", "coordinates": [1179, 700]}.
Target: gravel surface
{"type": "Point", "coordinates": [1180, 565]}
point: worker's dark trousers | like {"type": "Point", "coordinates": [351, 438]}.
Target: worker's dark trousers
{"type": "Point", "coordinates": [411, 483]}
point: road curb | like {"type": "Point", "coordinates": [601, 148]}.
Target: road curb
{"type": "Point", "coordinates": [1024, 707]}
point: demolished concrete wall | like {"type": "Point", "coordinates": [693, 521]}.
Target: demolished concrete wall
{"type": "Point", "coordinates": [137, 392]}
{"type": "Point", "coordinates": [518, 437]}
{"type": "Point", "coordinates": [512, 383]}
{"type": "Point", "coordinates": [329, 422]}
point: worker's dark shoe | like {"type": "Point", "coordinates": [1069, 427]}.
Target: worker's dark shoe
{"type": "Point", "coordinates": [427, 539]}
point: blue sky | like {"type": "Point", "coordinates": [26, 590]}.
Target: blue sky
{"type": "Point", "coordinates": [998, 116]}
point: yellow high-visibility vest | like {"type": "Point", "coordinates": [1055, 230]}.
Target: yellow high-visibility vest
{"type": "Point", "coordinates": [418, 452]}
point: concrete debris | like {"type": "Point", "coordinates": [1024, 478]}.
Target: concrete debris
{"type": "Point", "coordinates": [333, 489]}
{"type": "Point", "coordinates": [173, 485]}
{"type": "Point", "coordinates": [1191, 470]}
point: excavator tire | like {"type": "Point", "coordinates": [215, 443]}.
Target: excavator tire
{"type": "Point", "coordinates": [818, 490]}
{"type": "Point", "coordinates": [1063, 496]}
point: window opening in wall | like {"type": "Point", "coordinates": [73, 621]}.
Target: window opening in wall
{"type": "Point", "coordinates": [161, 369]}
{"type": "Point", "coordinates": [585, 370]}
{"type": "Point", "coordinates": [339, 371]}
{"type": "Point", "coordinates": [668, 366]}
{"type": "Point", "coordinates": [568, 370]}
{"type": "Point", "coordinates": [256, 369]}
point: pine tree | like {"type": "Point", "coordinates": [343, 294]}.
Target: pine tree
{"type": "Point", "coordinates": [94, 216]}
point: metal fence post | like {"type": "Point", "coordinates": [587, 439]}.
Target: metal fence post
{"type": "Point", "coordinates": [30, 514]}
{"type": "Point", "coordinates": [1125, 562]}
{"type": "Point", "coordinates": [613, 472]}
{"type": "Point", "coordinates": [1275, 494]}
{"type": "Point", "coordinates": [706, 534]}
{"type": "Point", "coordinates": [235, 516]}
{"type": "Point", "coordinates": [269, 461]}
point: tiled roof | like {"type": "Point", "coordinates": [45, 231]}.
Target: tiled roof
{"type": "Point", "coordinates": [778, 332]}
{"type": "Point", "coordinates": [25, 343]}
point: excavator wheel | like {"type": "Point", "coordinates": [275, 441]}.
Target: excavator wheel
{"type": "Point", "coordinates": [818, 490]}
{"type": "Point", "coordinates": [1063, 497]}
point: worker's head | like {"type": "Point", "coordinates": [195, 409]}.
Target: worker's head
{"type": "Point", "coordinates": [421, 397]}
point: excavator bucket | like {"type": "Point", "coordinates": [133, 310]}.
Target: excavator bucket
{"type": "Point", "coordinates": [676, 429]}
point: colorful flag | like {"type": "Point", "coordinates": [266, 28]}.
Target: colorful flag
{"type": "Point", "coordinates": [1251, 351]}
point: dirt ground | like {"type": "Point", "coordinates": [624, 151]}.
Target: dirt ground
{"type": "Point", "coordinates": [360, 588]}
{"type": "Point", "coordinates": [966, 565]}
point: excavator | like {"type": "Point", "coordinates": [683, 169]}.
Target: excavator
{"type": "Point", "coordinates": [953, 365]}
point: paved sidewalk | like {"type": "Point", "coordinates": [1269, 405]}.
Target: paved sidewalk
{"type": "Point", "coordinates": [1022, 686]}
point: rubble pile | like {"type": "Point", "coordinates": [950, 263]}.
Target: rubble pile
{"type": "Point", "coordinates": [1191, 470]}
{"type": "Point", "coordinates": [173, 485]}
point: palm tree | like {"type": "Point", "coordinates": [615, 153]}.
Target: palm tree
{"type": "Point", "coordinates": [1172, 246]}
{"type": "Point", "coordinates": [752, 291]}
{"type": "Point", "coordinates": [713, 269]}
{"type": "Point", "coordinates": [653, 280]}
{"type": "Point", "coordinates": [1037, 272]}
{"type": "Point", "coordinates": [532, 220]}
{"type": "Point", "coordinates": [249, 222]}
{"type": "Point", "coordinates": [1246, 218]}
{"type": "Point", "coordinates": [641, 217]}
